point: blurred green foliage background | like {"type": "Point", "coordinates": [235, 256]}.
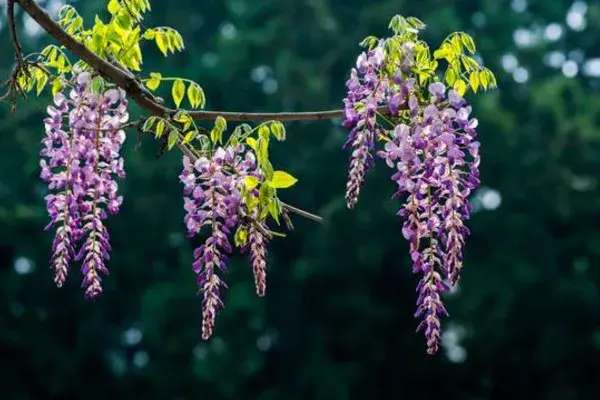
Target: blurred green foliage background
{"type": "Point", "coordinates": [337, 320]}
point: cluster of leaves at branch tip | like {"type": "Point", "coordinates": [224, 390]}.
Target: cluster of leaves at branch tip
{"type": "Point", "coordinates": [427, 137]}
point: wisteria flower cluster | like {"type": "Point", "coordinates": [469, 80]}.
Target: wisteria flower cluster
{"type": "Point", "coordinates": [429, 141]}
{"type": "Point", "coordinates": [218, 196]}
{"type": "Point", "coordinates": [80, 162]}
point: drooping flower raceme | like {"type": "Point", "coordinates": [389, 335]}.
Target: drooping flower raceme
{"type": "Point", "coordinates": [213, 197]}
{"type": "Point", "coordinates": [60, 171]}
{"type": "Point", "coordinates": [429, 142]}
{"type": "Point", "coordinates": [367, 88]}
{"type": "Point", "coordinates": [257, 242]}
{"type": "Point", "coordinates": [82, 163]}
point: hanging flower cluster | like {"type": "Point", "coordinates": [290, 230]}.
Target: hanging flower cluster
{"type": "Point", "coordinates": [218, 195]}
{"type": "Point", "coordinates": [80, 161]}
{"type": "Point", "coordinates": [394, 97]}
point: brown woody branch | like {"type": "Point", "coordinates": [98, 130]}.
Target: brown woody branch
{"type": "Point", "coordinates": [12, 29]}
{"type": "Point", "coordinates": [135, 90]}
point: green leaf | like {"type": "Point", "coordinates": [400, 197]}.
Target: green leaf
{"type": "Point", "coordinates": [204, 142]}
{"type": "Point", "coordinates": [264, 132]}
{"type": "Point", "coordinates": [492, 77]}
{"type": "Point", "coordinates": [415, 23]}
{"type": "Point", "coordinates": [274, 210]}
{"type": "Point", "coordinates": [178, 91]}
{"type": "Point", "coordinates": [216, 135]}
{"type": "Point", "coordinates": [252, 143]}
{"type": "Point", "coordinates": [474, 81]}
{"type": "Point", "coordinates": [442, 52]}
{"type": "Point", "coordinates": [398, 24]}
{"type": "Point", "coordinates": [282, 180]}
{"type": "Point", "coordinates": [278, 130]}
{"type": "Point", "coordinates": [189, 136]}
{"type": "Point", "coordinates": [97, 85]}
{"type": "Point", "coordinates": [149, 34]}
{"type": "Point", "coordinates": [148, 124]}
{"type": "Point", "coordinates": [113, 7]}
{"type": "Point", "coordinates": [450, 76]}
{"type": "Point", "coordinates": [161, 42]}
{"type": "Point", "coordinates": [195, 95]}
{"type": "Point", "coordinates": [172, 139]}
{"type": "Point", "coordinates": [460, 86]}
{"type": "Point", "coordinates": [241, 237]}
{"type": "Point", "coordinates": [468, 42]}
{"type": "Point", "coordinates": [56, 86]}
{"type": "Point", "coordinates": [251, 182]}
{"type": "Point", "coordinates": [369, 42]}
{"type": "Point", "coordinates": [483, 79]}
{"type": "Point", "coordinates": [220, 123]}
{"type": "Point", "coordinates": [160, 128]}
{"type": "Point", "coordinates": [152, 84]}
{"type": "Point", "coordinates": [42, 79]}
{"type": "Point", "coordinates": [124, 20]}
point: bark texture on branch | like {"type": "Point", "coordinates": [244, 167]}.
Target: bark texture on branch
{"type": "Point", "coordinates": [136, 90]}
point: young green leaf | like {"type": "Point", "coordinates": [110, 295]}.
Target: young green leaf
{"type": "Point", "coordinates": [460, 86]}
{"type": "Point", "coordinates": [152, 83]}
{"type": "Point", "coordinates": [241, 237]}
{"type": "Point", "coordinates": [42, 79]}
{"type": "Point", "coordinates": [161, 42]}
{"type": "Point", "coordinates": [282, 180]}
{"type": "Point", "coordinates": [274, 210]}
{"type": "Point", "coordinates": [252, 143]}
{"type": "Point", "coordinates": [113, 7]}
{"type": "Point", "coordinates": [220, 123]}
{"type": "Point", "coordinates": [483, 79]}
{"type": "Point", "coordinates": [178, 91]}
{"type": "Point", "coordinates": [216, 135]}
{"type": "Point", "coordinates": [195, 95]}
{"type": "Point", "coordinates": [263, 132]}
{"type": "Point", "coordinates": [278, 130]}
{"type": "Point", "coordinates": [474, 81]}
{"type": "Point", "coordinates": [450, 76]}
{"type": "Point", "coordinates": [160, 128]}
{"type": "Point", "coordinates": [57, 86]}
{"type": "Point", "coordinates": [251, 182]}
{"type": "Point", "coordinates": [172, 139]}
{"type": "Point", "coordinates": [189, 136]}
{"type": "Point", "coordinates": [468, 42]}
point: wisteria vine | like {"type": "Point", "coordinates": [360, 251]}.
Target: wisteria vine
{"type": "Point", "coordinates": [400, 107]}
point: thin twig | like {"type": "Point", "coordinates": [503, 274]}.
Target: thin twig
{"type": "Point", "coordinates": [302, 213]}
{"type": "Point", "coordinates": [12, 29]}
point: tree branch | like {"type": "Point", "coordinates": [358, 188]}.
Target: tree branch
{"type": "Point", "coordinates": [143, 97]}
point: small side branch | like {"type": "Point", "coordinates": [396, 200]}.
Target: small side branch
{"type": "Point", "coordinates": [301, 213]}
{"type": "Point", "coordinates": [12, 29]}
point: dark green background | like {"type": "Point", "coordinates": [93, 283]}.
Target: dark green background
{"type": "Point", "coordinates": [337, 320]}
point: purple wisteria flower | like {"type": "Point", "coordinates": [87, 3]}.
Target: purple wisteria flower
{"type": "Point", "coordinates": [59, 170]}
{"type": "Point", "coordinates": [83, 164]}
{"type": "Point", "coordinates": [366, 92]}
{"type": "Point", "coordinates": [258, 253]}
{"type": "Point", "coordinates": [436, 160]}
{"type": "Point", "coordinates": [212, 189]}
